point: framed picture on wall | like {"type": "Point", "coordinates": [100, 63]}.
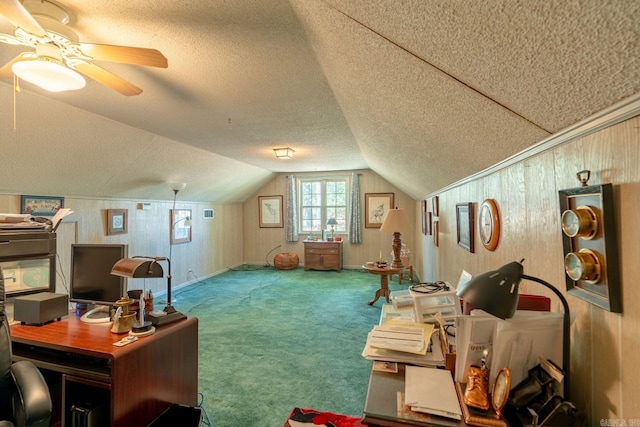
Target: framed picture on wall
{"type": "Point", "coordinates": [464, 225]}
{"type": "Point", "coordinates": [376, 206]}
{"type": "Point", "coordinates": [435, 201]}
{"type": "Point", "coordinates": [270, 211]}
{"type": "Point", "coordinates": [423, 211]}
{"type": "Point", "coordinates": [117, 221]}
{"type": "Point", "coordinates": [41, 205]}
{"type": "Point", "coordinates": [180, 227]}
{"type": "Point", "coordinates": [436, 232]}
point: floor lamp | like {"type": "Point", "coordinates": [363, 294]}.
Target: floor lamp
{"type": "Point", "coordinates": [496, 292]}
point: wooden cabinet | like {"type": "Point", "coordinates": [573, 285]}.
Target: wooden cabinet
{"type": "Point", "coordinates": [322, 255]}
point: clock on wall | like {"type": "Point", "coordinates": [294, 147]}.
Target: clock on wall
{"type": "Point", "coordinates": [489, 224]}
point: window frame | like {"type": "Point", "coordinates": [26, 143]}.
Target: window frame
{"type": "Point", "coordinates": [342, 227]}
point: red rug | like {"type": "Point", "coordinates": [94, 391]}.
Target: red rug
{"type": "Point", "coordinates": [300, 417]}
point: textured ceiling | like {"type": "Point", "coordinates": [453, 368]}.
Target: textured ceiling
{"type": "Point", "coordinates": [422, 92]}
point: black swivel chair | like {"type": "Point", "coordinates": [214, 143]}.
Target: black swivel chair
{"type": "Point", "coordinates": [24, 395]}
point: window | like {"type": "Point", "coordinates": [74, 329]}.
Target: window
{"type": "Point", "coordinates": [321, 199]}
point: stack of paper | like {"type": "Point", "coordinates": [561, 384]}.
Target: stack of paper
{"type": "Point", "coordinates": [432, 391]}
{"type": "Point", "coordinates": [18, 221]}
{"type": "Point", "coordinates": [404, 342]}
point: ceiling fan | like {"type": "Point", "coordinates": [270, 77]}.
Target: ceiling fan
{"type": "Point", "coordinates": [59, 55]}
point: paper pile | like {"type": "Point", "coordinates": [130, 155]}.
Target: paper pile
{"type": "Point", "coordinates": [404, 342]}
{"type": "Point", "coordinates": [432, 391]}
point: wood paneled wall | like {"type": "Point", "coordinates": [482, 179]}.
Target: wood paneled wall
{"type": "Point", "coordinates": [605, 365]}
{"type": "Point", "coordinates": [216, 243]}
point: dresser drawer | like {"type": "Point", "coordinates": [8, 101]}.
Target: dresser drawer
{"type": "Point", "coordinates": [324, 251]}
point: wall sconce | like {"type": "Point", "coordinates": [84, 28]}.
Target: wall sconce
{"type": "Point", "coordinates": [284, 153]}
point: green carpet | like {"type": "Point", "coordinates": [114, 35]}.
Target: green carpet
{"type": "Point", "coordinates": [273, 340]}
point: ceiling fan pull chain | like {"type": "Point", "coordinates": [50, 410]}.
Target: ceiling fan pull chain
{"type": "Point", "coordinates": [16, 89]}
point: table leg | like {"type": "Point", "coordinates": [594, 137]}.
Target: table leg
{"type": "Point", "coordinates": [383, 291]}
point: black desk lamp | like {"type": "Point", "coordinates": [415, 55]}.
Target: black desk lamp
{"type": "Point", "coordinates": [496, 292]}
{"type": "Point", "coordinates": [146, 266]}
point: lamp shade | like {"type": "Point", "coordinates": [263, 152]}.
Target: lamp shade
{"type": "Point", "coordinates": [396, 220]}
{"type": "Point", "coordinates": [332, 221]}
{"type": "Point", "coordinates": [495, 292]}
{"type": "Point", "coordinates": [178, 186]}
{"type": "Point", "coordinates": [133, 268]}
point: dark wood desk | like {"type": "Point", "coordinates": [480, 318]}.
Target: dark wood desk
{"type": "Point", "coordinates": [135, 383]}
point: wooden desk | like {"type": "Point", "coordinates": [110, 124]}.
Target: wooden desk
{"type": "Point", "coordinates": [136, 383]}
{"type": "Point", "coordinates": [384, 274]}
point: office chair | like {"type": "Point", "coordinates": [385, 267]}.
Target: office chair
{"type": "Point", "coordinates": [24, 395]}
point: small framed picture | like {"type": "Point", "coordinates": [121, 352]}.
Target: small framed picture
{"type": "Point", "coordinates": [376, 205]}
{"type": "Point", "coordinates": [41, 205]}
{"type": "Point", "coordinates": [464, 225]}
{"type": "Point", "coordinates": [423, 211]}
{"type": "Point", "coordinates": [180, 228]}
{"type": "Point", "coordinates": [435, 201]}
{"type": "Point", "coordinates": [436, 232]}
{"type": "Point", "coordinates": [117, 221]}
{"type": "Point", "coordinates": [270, 211]}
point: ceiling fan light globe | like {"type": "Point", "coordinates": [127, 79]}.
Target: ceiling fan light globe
{"type": "Point", "coordinates": [49, 74]}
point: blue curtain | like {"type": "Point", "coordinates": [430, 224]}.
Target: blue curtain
{"type": "Point", "coordinates": [291, 224]}
{"type": "Point", "coordinates": [355, 214]}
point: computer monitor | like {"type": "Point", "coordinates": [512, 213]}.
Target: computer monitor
{"type": "Point", "coordinates": [91, 278]}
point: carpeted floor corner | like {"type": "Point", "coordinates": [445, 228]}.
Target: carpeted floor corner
{"type": "Point", "coordinates": [273, 340]}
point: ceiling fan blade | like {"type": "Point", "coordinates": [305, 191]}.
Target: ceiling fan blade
{"type": "Point", "coordinates": [9, 39]}
{"type": "Point", "coordinates": [124, 54]}
{"type": "Point", "coordinates": [19, 16]}
{"type": "Point", "coordinates": [106, 78]}
{"type": "Point", "coordinates": [6, 72]}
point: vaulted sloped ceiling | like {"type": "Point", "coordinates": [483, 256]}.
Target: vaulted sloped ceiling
{"type": "Point", "coordinates": [422, 92]}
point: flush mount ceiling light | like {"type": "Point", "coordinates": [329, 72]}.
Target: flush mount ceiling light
{"type": "Point", "coordinates": [47, 70]}
{"type": "Point", "coordinates": [284, 153]}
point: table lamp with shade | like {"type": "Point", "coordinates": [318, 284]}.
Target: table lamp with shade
{"type": "Point", "coordinates": [332, 222]}
{"type": "Point", "coordinates": [496, 292]}
{"type": "Point", "coordinates": [396, 221]}
{"type": "Point", "coordinates": [149, 267]}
